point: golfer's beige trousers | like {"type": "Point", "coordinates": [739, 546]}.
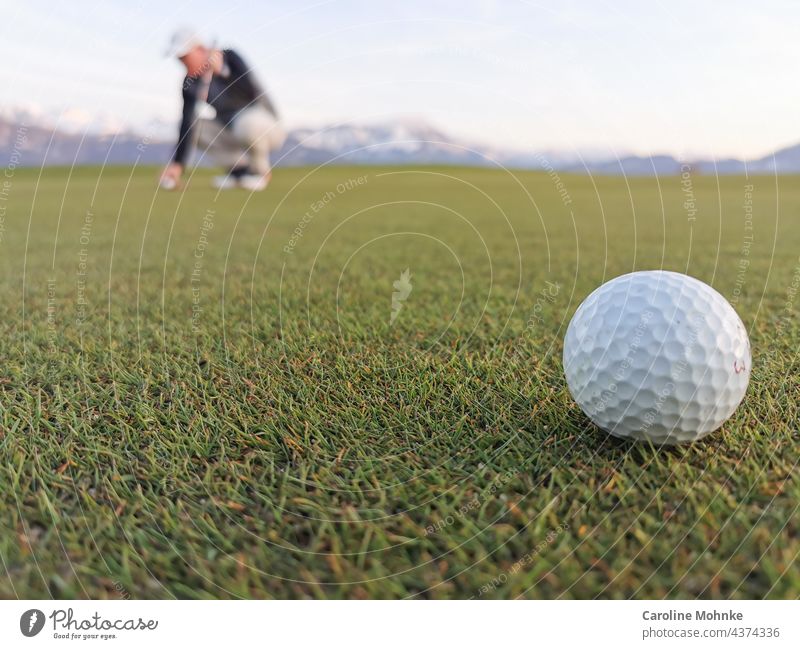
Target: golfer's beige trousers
{"type": "Point", "coordinates": [248, 140]}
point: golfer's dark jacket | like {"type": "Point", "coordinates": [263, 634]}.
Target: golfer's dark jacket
{"type": "Point", "coordinates": [234, 88]}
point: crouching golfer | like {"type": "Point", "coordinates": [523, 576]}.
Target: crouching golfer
{"type": "Point", "coordinates": [227, 113]}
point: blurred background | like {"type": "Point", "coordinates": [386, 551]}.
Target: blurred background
{"type": "Point", "coordinates": [580, 83]}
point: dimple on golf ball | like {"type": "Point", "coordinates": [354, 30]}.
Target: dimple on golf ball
{"type": "Point", "coordinates": [656, 355]}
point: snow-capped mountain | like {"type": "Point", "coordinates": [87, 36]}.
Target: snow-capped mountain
{"type": "Point", "coordinates": [72, 137]}
{"type": "Point", "coordinates": [398, 142]}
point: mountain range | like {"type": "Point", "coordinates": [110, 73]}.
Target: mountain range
{"type": "Point", "coordinates": [34, 142]}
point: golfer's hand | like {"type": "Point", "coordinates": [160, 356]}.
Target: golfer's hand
{"type": "Point", "coordinates": [171, 176]}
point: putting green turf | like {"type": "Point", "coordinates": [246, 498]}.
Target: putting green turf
{"type": "Point", "coordinates": [198, 401]}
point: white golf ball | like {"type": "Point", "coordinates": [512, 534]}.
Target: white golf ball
{"type": "Point", "coordinates": [658, 356]}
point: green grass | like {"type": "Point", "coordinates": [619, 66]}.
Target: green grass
{"type": "Point", "coordinates": [289, 442]}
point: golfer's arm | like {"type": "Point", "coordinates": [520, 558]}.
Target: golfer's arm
{"type": "Point", "coordinates": [182, 148]}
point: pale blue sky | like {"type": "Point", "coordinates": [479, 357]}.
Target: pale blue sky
{"type": "Point", "coordinates": [681, 77]}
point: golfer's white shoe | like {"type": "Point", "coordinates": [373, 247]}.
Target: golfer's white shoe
{"type": "Point", "coordinates": [225, 182]}
{"type": "Point", "coordinates": [254, 182]}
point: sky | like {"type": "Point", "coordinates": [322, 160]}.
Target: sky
{"type": "Point", "coordinates": [686, 78]}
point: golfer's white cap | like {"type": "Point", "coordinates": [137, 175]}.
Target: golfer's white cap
{"type": "Point", "coordinates": [183, 41]}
